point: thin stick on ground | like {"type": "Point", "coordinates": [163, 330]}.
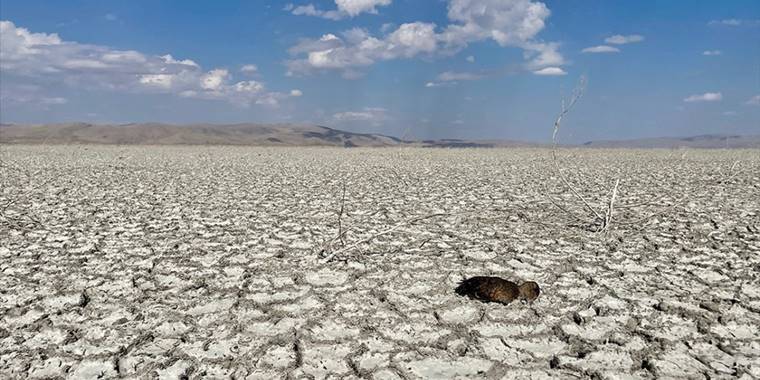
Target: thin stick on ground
{"type": "Point", "coordinates": [340, 236]}
{"type": "Point", "coordinates": [608, 215]}
{"type": "Point", "coordinates": [731, 173]}
{"type": "Point", "coordinates": [340, 215]}
{"type": "Point", "coordinates": [366, 240]}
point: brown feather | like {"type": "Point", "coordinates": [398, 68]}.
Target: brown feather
{"type": "Point", "coordinates": [489, 289]}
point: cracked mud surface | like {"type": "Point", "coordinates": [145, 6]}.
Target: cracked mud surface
{"type": "Point", "coordinates": [203, 262]}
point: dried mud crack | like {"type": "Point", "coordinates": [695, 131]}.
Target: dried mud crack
{"type": "Point", "coordinates": [204, 262]}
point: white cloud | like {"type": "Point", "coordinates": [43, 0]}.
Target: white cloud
{"type": "Point", "coordinates": [111, 17]}
{"type": "Point", "coordinates": [508, 22]}
{"type": "Point", "coordinates": [353, 116]}
{"type": "Point", "coordinates": [355, 7]}
{"type": "Point", "coordinates": [358, 49]}
{"type": "Point", "coordinates": [296, 93]}
{"type": "Point", "coordinates": [249, 69]}
{"type": "Point", "coordinates": [712, 52]}
{"type": "Point", "coordinates": [311, 10]}
{"type": "Point", "coordinates": [622, 40]}
{"type": "Point", "coordinates": [374, 114]}
{"type": "Point", "coordinates": [601, 49]}
{"type": "Point", "coordinates": [470, 59]}
{"type": "Point", "coordinates": [542, 55]}
{"type": "Point", "coordinates": [345, 8]}
{"type": "Point", "coordinates": [734, 22]}
{"type": "Point", "coordinates": [187, 62]}
{"type": "Point", "coordinates": [440, 84]}
{"type": "Point", "coordinates": [55, 100]}
{"type": "Point", "coordinates": [158, 80]}
{"type": "Point", "coordinates": [449, 76]}
{"type": "Point", "coordinates": [753, 101]}
{"type": "Point", "coordinates": [214, 79]}
{"type": "Point", "coordinates": [706, 97]}
{"type": "Point", "coordinates": [729, 22]}
{"type": "Point", "coordinates": [386, 27]}
{"type": "Point", "coordinates": [248, 86]}
{"type": "Point", "coordinates": [269, 100]}
{"type": "Point", "coordinates": [550, 71]}
{"type": "Point", "coordinates": [28, 95]}
{"type": "Point", "coordinates": [46, 58]}
{"type": "Point", "coordinates": [412, 39]}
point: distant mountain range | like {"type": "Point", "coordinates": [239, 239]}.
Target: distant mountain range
{"type": "Point", "coordinates": [701, 141]}
{"type": "Point", "coordinates": [301, 135]}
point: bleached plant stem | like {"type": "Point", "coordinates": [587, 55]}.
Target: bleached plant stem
{"type": "Point", "coordinates": [577, 94]}
{"type": "Point", "coordinates": [340, 215]}
{"type": "Point", "coordinates": [608, 216]}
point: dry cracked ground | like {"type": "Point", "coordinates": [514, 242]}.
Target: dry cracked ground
{"type": "Point", "coordinates": [209, 262]}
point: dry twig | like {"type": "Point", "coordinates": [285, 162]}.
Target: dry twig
{"type": "Point", "coordinates": [599, 219]}
{"type": "Point", "coordinates": [366, 240]}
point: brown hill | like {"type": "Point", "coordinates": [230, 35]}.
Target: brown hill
{"type": "Point", "coordinates": [302, 135]}
{"type": "Point", "coordinates": [196, 134]}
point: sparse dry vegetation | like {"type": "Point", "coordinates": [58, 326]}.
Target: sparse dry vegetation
{"type": "Point", "coordinates": [598, 220]}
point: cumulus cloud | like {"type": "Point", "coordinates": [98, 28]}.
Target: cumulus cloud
{"type": "Point", "coordinates": [345, 8]}
{"type": "Point", "coordinates": [706, 97]}
{"type": "Point", "coordinates": [601, 49]}
{"type": "Point", "coordinates": [753, 101]}
{"type": "Point", "coordinates": [355, 7]}
{"type": "Point", "coordinates": [509, 23]}
{"type": "Point", "coordinates": [712, 52]}
{"type": "Point", "coordinates": [214, 79]}
{"type": "Point", "coordinates": [470, 59]}
{"type": "Point", "coordinates": [619, 39]}
{"type": "Point", "coordinates": [46, 58]}
{"type": "Point", "coordinates": [357, 48]}
{"type": "Point", "coordinates": [296, 93]}
{"type": "Point", "coordinates": [513, 23]}
{"type": "Point", "coordinates": [550, 71]}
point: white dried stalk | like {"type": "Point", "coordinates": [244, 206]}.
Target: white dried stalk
{"type": "Point", "coordinates": [577, 94]}
{"type": "Point", "coordinates": [608, 215]}
{"type": "Point", "coordinates": [340, 215]}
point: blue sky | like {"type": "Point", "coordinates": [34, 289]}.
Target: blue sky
{"type": "Point", "coordinates": [424, 69]}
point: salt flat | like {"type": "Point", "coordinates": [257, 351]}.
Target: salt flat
{"type": "Point", "coordinates": [204, 262]}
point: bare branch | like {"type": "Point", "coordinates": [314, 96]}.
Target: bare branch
{"type": "Point", "coordinates": [577, 94]}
